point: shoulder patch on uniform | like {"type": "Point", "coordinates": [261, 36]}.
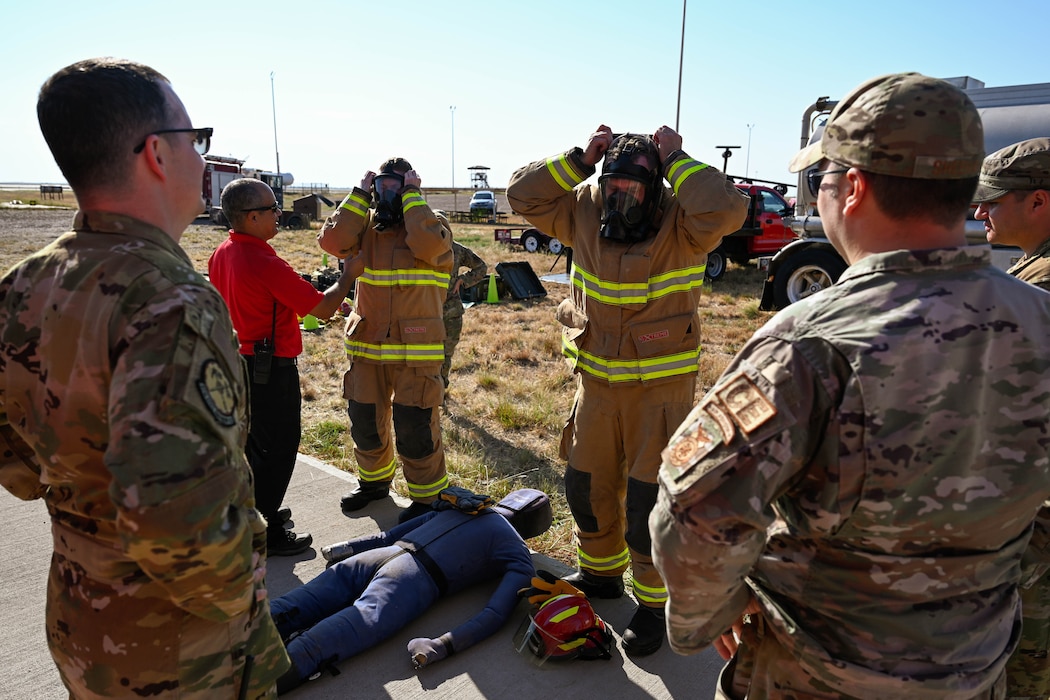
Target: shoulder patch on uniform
{"type": "Point", "coordinates": [701, 435]}
{"type": "Point", "coordinates": [725, 423]}
{"type": "Point", "coordinates": [217, 392]}
{"type": "Point", "coordinates": [745, 402]}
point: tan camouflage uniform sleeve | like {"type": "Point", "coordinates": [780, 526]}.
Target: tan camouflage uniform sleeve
{"type": "Point", "coordinates": [745, 444]}
{"type": "Point", "coordinates": [19, 469]}
{"type": "Point", "coordinates": [465, 257]}
{"type": "Point", "coordinates": [177, 416]}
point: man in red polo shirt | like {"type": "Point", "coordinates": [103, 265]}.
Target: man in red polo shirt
{"type": "Point", "coordinates": [265, 294]}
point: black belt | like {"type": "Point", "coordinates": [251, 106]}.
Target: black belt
{"type": "Point", "coordinates": [284, 361]}
{"type": "Point", "coordinates": [429, 565]}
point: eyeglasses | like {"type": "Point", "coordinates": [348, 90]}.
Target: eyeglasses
{"type": "Point", "coordinates": [813, 178]}
{"type": "Point", "coordinates": [275, 207]}
{"type": "Point", "coordinates": [201, 138]}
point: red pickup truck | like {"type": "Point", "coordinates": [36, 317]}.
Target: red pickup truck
{"type": "Point", "coordinates": [762, 234]}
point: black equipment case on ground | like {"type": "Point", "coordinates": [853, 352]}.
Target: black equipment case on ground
{"type": "Point", "coordinates": [520, 280]}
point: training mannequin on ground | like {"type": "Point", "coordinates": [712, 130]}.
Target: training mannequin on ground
{"type": "Point", "coordinates": [378, 584]}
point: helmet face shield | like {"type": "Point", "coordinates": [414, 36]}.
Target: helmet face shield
{"type": "Point", "coordinates": [564, 628]}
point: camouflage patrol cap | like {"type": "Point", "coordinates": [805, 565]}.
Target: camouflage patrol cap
{"type": "Point", "coordinates": [904, 124]}
{"type": "Point", "coordinates": [1023, 166]}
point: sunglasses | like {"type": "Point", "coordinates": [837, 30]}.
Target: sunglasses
{"type": "Point", "coordinates": [275, 207]}
{"type": "Point", "coordinates": [814, 177]}
{"type": "Point", "coordinates": [201, 138]}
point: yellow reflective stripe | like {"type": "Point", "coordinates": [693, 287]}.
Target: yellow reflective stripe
{"type": "Point", "coordinates": [417, 277]}
{"type": "Point", "coordinates": [649, 594]}
{"type": "Point", "coordinates": [565, 614]}
{"type": "Point", "coordinates": [410, 200]}
{"type": "Point", "coordinates": [355, 203]}
{"type": "Point", "coordinates": [569, 646]}
{"type": "Point", "coordinates": [563, 172]}
{"type": "Point", "coordinates": [624, 293]}
{"type": "Point", "coordinates": [382, 474]}
{"type": "Point", "coordinates": [681, 169]}
{"type": "Point", "coordinates": [616, 561]}
{"type": "Point", "coordinates": [395, 352]}
{"type": "Point", "coordinates": [647, 369]}
{"type": "Point", "coordinates": [427, 490]}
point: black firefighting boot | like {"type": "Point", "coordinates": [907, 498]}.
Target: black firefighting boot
{"type": "Point", "coordinates": [413, 511]}
{"type": "Point", "coordinates": [645, 633]}
{"type": "Point", "coordinates": [365, 493]}
{"type": "Point", "coordinates": [595, 586]}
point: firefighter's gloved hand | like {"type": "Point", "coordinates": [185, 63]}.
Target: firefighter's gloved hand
{"type": "Point", "coordinates": [426, 651]}
{"type": "Point", "coordinates": [456, 497]}
{"type": "Point", "coordinates": [545, 586]}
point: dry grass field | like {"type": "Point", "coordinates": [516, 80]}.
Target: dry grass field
{"type": "Point", "coordinates": [510, 389]}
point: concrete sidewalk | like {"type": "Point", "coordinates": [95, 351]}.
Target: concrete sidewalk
{"type": "Point", "coordinates": [492, 669]}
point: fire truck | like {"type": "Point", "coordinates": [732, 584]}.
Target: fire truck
{"type": "Point", "coordinates": [1010, 114]}
{"type": "Point", "coordinates": [219, 171]}
{"type": "Point", "coordinates": [764, 231]}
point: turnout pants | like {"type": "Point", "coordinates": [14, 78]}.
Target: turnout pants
{"type": "Point", "coordinates": [409, 398]}
{"type": "Point", "coordinates": [353, 606]}
{"type": "Point", "coordinates": [612, 442]}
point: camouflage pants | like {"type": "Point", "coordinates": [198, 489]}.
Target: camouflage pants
{"type": "Point", "coordinates": [119, 638]}
{"type": "Point", "coordinates": [453, 331]}
{"type": "Point", "coordinates": [1028, 671]}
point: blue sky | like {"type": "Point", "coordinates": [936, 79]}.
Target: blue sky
{"type": "Point", "coordinates": [357, 82]}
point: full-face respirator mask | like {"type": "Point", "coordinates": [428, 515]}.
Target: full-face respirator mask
{"type": "Point", "coordinates": [630, 190]}
{"type": "Point", "coordinates": [386, 188]}
{"type": "Point", "coordinates": [386, 193]}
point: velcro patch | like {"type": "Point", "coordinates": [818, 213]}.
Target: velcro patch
{"type": "Point", "coordinates": [649, 337]}
{"type": "Point", "coordinates": [217, 393]}
{"type": "Point", "coordinates": [725, 423]}
{"type": "Point", "coordinates": [693, 444]}
{"type": "Point", "coordinates": [745, 402]}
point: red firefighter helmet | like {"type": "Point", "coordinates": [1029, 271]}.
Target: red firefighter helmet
{"type": "Point", "coordinates": [564, 628]}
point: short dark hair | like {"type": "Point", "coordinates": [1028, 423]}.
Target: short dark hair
{"type": "Point", "coordinates": [944, 202]}
{"type": "Point", "coordinates": [237, 196]}
{"type": "Point", "coordinates": [93, 112]}
{"type": "Point", "coordinates": [395, 165]}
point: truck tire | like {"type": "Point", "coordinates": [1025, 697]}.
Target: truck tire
{"type": "Point", "coordinates": [716, 264]}
{"type": "Point", "coordinates": [530, 240]}
{"type": "Point", "coordinates": [555, 246]}
{"type": "Point", "coordinates": [295, 221]}
{"type": "Point", "coordinates": [807, 273]}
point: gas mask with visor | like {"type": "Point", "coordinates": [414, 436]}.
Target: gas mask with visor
{"type": "Point", "coordinates": [386, 193]}
{"type": "Point", "coordinates": [630, 189]}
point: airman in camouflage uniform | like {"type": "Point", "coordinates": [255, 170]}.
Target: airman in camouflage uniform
{"type": "Point", "coordinates": [863, 479]}
{"type": "Point", "coordinates": [452, 311]}
{"type": "Point", "coordinates": [123, 407]}
{"type": "Point", "coordinates": [1013, 197]}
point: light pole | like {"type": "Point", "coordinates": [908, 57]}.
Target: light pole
{"type": "Point", "coordinates": [747, 160]}
{"type": "Point", "coordinates": [455, 195]}
{"type": "Point", "coordinates": [277, 153]}
{"type": "Point", "coordinates": [681, 57]}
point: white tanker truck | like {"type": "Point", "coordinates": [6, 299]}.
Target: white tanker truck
{"type": "Point", "coordinates": [809, 264]}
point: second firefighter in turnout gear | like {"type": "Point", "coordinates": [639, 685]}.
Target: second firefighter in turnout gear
{"type": "Point", "coordinates": [632, 334]}
{"type": "Point", "coordinates": [394, 335]}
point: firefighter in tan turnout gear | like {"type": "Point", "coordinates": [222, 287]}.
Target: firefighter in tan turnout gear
{"type": "Point", "coordinates": [632, 334]}
{"type": "Point", "coordinates": [395, 334]}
